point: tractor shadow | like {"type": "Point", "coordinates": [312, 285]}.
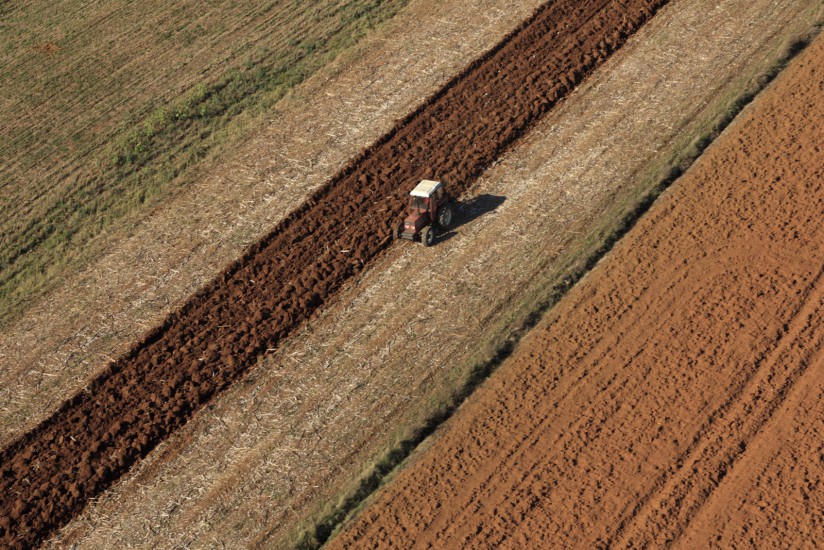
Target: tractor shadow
{"type": "Point", "coordinates": [468, 211]}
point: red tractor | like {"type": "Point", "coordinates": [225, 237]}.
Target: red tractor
{"type": "Point", "coordinates": [429, 209]}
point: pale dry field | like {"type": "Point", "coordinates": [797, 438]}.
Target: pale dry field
{"type": "Point", "coordinates": [303, 425]}
{"type": "Point", "coordinates": [69, 335]}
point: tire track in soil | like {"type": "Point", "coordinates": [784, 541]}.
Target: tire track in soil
{"type": "Point", "coordinates": [97, 435]}
{"type": "Point", "coordinates": [662, 516]}
{"type": "Point", "coordinates": [783, 463]}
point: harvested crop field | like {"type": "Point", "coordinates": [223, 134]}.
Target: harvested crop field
{"type": "Point", "coordinates": [674, 397]}
{"type": "Point", "coordinates": [222, 331]}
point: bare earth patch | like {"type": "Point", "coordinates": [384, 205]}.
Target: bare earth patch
{"type": "Point", "coordinates": [767, 498]}
{"type": "Point", "coordinates": [296, 431]}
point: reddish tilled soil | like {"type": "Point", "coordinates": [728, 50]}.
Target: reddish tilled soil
{"type": "Point", "coordinates": [673, 398]}
{"type": "Point", "coordinates": [96, 436]}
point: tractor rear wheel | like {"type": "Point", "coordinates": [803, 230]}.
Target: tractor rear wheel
{"type": "Point", "coordinates": [445, 216]}
{"type": "Point", "coordinates": [428, 235]}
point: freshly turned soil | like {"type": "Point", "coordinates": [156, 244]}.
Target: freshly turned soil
{"type": "Point", "coordinates": [96, 436]}
{"type": "Point", "coordinates": [673, 397]}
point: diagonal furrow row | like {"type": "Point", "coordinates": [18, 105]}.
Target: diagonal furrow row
{"type": "Point", "coordinates": [668, 510]}
{"type": "Point", "coordinates": [50, 473]}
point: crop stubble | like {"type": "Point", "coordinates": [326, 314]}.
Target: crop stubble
{"type": "Point", "coordinates": [222, 330]}
{"type": "Point", "coordinates": [633, 414]}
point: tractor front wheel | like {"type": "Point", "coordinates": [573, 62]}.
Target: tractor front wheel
{"type": "Point", "coordinates": [445, 216]}
{"type": "Point", "coordinates": [428, 235]}
{"type": "Point", "coordinates": [396, 232]}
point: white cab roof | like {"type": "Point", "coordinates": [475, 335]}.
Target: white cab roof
{"type": "Point", "coordinates": [425, 188]}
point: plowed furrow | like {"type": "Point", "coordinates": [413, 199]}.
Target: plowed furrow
{"type": "Point", "coordinates": [96, 436]}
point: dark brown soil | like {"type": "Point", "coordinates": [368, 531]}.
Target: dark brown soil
{"type": "Point", "coordinates": [50, 473]}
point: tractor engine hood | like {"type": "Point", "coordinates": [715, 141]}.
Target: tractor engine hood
{"type": "Point", "coordinates": [414, 222]}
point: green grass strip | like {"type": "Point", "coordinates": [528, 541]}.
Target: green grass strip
{"type": "Point", "coordinates": [155, 153]}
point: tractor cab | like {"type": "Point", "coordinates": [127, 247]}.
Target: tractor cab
{"type": "Point", "coordinates": [428, 207]}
